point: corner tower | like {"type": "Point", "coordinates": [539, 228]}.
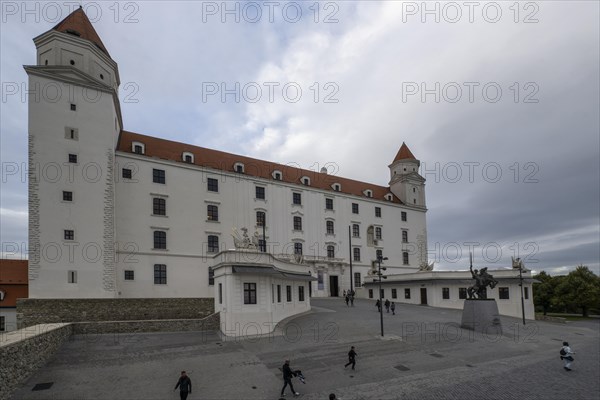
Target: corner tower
{"type": "Point", "coordinates": [74, 123]}
{"type": "Point", "coordinates": [405, 181]}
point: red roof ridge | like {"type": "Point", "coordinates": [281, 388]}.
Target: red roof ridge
{"type": "Point", "coordinates": [404, 153]}
{"type": "Point", "coordinates": [77, 23]}
{"type": "Point", "coordinates": [217, 159]}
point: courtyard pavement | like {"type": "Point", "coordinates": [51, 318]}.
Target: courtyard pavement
{"type": "Point", "coordinates": [423, 355]}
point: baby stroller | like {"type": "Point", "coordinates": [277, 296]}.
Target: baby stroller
{"type": "Point", "coordinates": [298, 374]}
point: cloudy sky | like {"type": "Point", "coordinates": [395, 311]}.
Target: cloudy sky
{"type": "Point", "coordinates": [499, 101]}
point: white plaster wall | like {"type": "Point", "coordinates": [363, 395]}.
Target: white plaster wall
{"type": "Point", "coordinates": [88, 180]}
{"type": "Point", "coordinates": [10, 319]}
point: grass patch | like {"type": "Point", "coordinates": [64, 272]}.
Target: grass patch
{"type": "Point", "coordinates": [569, 317]}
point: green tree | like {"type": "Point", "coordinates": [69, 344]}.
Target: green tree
{"type": "Point", "coordinates": [580, 289]}
{"type": "Point", "coordinates": [544, 291]}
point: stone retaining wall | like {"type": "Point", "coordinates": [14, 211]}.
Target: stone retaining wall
{"type": "Point", "coordinates": [41, 311]}
{"type": "Point", "coordinates": [24, 351]}
{"type": "Point", "coordinates": [210, 323]}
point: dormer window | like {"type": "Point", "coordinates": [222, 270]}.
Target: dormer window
{"type": "Point", "coordinates": [368, 193]}
{"type": "Point", "coordinates": [187, 157]}
{"type": "Point", "coordinates": [277, 175]}
{"type": "Point", "coordinates": [239, 167]}
{"type": "Point", "coordinates": [337, 187]}
{"type": "Point", "coordinates": [73, 32]}
{"type": "Point", "coordinates": [138, 148]}
{"type": "Point", "coordinates": [389, 197]}
{"type": "Point", "coordinates": [305, 180]}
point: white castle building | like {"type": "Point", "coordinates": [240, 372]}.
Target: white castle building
{"type": "Point", "coordinates": [118, 214]}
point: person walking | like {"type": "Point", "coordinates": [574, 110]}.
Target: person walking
{"type": "Point", "coordinates": [393, 308]}
{"type": "Point", "coordinates": [287, 378]}
{"type": "Point", "coordinates": [566, 354]}
{"type": "Point", "coordinates": [352, 298]}
{"type": "Point", "coordinates": [185, 385]}
{"type": "Point", "coordinates": [387, 306]}
{"type": "Point", "coordinates": [351, 358]}
{"type": "Point", "coordinates": [378, 305]}
{"type": "Point", "coordinates": [347, 298]}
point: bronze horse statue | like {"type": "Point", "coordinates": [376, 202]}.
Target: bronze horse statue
{"type": "Point", "coordinates": [482, 281]}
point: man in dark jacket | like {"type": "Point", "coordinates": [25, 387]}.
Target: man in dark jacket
{"type": "Point", "coordinates": [185, 385]}
{"type": "Point", "coordinates": [287, 378]}
{"type": "Point", "coordinates": [351, 358]}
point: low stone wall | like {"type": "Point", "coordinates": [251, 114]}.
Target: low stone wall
{"type": "Point", "coordinates": [41, 311]}
{"type": "Point", "coordinates": [210, 323]}
{"type": "Point", "coordinates": [541, 317]}
{"type": "Point", "coordinates": [25, 350]}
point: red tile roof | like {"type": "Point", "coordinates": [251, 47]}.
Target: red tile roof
{"type": "Point", "coordinates": [13, 271]}
{"type": "Point", "coordinates": [219, 160]}
{"type": "Point", "coordinates": [78, 23]}
{"type": "Point", "coordinates": [404, 153]}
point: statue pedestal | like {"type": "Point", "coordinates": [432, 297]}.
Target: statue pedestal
{"type": "Point", "coordinates": [481, 316]}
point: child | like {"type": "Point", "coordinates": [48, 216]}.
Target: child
{"type": "Point", "coordinates": [567, 357]}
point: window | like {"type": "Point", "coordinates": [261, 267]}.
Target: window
{"type": "Point", "coordinates": [300, 293]}
{"type": "Point", "coordinates": [138, 149]}
{"type": "Point", "coordinates": [260, 192]}
{"type": "Point", "coordinates": [404, 236]}
{"type": "Point", "coordinates": [462, 293]}
{"type": "Point", "coordinates": [394, 294]}
{"type": "Point", "coordinates": [354, 208]}
{"type": "Point", "coordinates": [330, 251]}
{"type": "Point", "coordinates": [403, 216]}
{"type": "Point", "coordinates": [73, 107]}
{"type": "Point", "coordinates": [129, 275]}
{"type": "Point", "coordinates": [357, 282]}
{"type": "Point", "coordinates": [2, 324]}
{"type": "Point", "coordinates": [213, 244]}
{"type": "Point", "coordinates": [297, 223]}
{"type": "Point", "coordinates": [297, 248]}
{"type": "Point", "coordinates": [160, 240]}
{"type": "Point", "coordinates": [159, 206]}
{"type": "Point", "coordinates": [330, 230]}
{"type": "Point", "coordinates": [368, 193]}
{"type": "Point", "coordinates": [126, 173]}
{"type": "Point", "coordinates": [71, 133]}
{"type": "Point", "coordinates": [212, 212]}
{"type": "Point", "coordinates": [220, 293]}
{"type": "Point", "coordinates": [378, 212]}
{"type": "Point", "coordinates": [337, 187]}
{"type": "Point", "coordinates": [296, 198]}
{"type": "Point", "coordinates": [503, 293]}
{"type": "Point", "coordinates": [305, 181]}
{"type": "Point", "coordinates": [211, 276]}
{"type": "Point", "coordinates": [73, 158]}
{"type": "Point", "coordinates": [446, 293]}
{"type": "Point", "coordinates": [288, 293]}
{"type": "Point", "coordinates": [405, 258]}
{"type": "Point", "coordinates": [249, 293]}
{"type": "Point", "coordinates": [212, 185]}
{"type": "Point", "coordinates": [407, 293]}
{"type": "Point", "coordinates": [160, 274]}
{"type": "Point", "coordinates": [356, 253]}
{"type": "Point", "coordinates": [279, 293]}
{"type": "Point", "coordinates": [260, 218]}
{"type": "Point", "coordinates": [526, 293]}
{"type": "Point", "coordinates": [72, 276]}
{"type": "Point", "coordinates": [378, 233]}
{"type": "Point", "coordinates": [67, 196]}
{"type": "Point", "coordinates": [382, 293]}
{"type": "Point", "coordinates": [370, 293]}
{"type": "Point", "coordinates": [238, 167]}
{"type": "Point", "coordinates": [188, 158]}
{"type": "Point", "coordinates": [355, 230]}
{"type": "Point", "coordinates": [158, 175]}
{"type": "Point", "coordinates": [277, 175]}
{"type": "Point", "coordinates": [69, 234]}
{"type": "Point", "coordinates": [329, 204]}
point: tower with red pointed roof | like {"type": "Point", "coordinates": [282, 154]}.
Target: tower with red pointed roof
{"type": "Point", "coordinates": [74, 123]}
{"type": "Point", "coordinates": [405, 181]}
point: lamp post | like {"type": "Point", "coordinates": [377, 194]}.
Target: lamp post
{"type": "Point", "coordinates": [380, 259]}
{"type": "Point", "coordinates": [521, 284]}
